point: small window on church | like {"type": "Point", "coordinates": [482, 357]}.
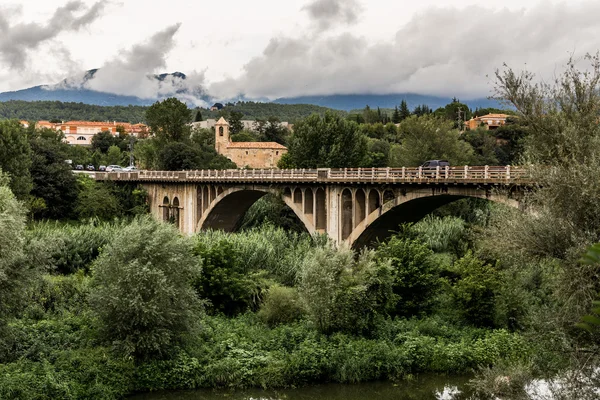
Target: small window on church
{"type": "Point", "coordinates": [220, 131]}
{"type": "Point", "coordinates": [246, 153]}
{"type": "Point", "coordinates": [276, 153]}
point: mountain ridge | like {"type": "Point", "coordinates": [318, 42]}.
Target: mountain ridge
{"type": "Point", "coordinates": [73, 90]}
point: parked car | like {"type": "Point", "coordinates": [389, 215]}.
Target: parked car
{"type": "Point", "coordinates": [429, 168]}
{"type": "Point", "coordinates": [90, 167]}
{"type": "Point", "coordinates": [102, 168]}
{"type": "Point", "coordinates": [79, 167]}
{"type": "Point", "coordinates": [114, 168]}
{"type": "Point", "coordinates": [130, 168]}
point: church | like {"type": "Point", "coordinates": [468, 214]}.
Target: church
{"type": "Point", "coordinates": [247, 154]}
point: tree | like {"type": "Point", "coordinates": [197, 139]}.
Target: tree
{"type": "Point", "coordinates": [473, 290]}
{"type": "Point", "coordinates": [198, 116]}
{"type": "Point", "coordinates": [484, 144]}
{"type": "Point", "coordinates": [141, 289]}
{"type": "Point", "coordinates": [115, 156]}
{"type": "Point", "coordinates": [235, 122]}
{"type": "Point", "coordinates": [14, 275]}
{"type": "Point", "coordinates": [179, 156]}
{"type": "Point", "coordinates": [429, 137]}
{"type": "Point", "coordinates": [102, 141]}
{"type": "Point", "coordinates": [329, 142]}
{"type": "Point", "coordinates": [270, 130]}
{"type": "Point", "coordinates": [168, 119]}
{"type": "Point", "coordinates": [225, 280]}
{"type": "Point", "coordinates": [344, 294]}
{"type": "Point", "coordinates": [404, 111]}
{"type": "Point", "coordinates": [415, 275]}
{"type": "Point", "coordinates": [95, 200]}
{"type": "Point", "coordinates": [53, 179]}
{"type": "Point", "coordinates": [244, 136]}
{"type": "Point", "coordinates": [396, 116]}
{"type": "Point", "coordinates": [421, 110]}
{"type": "Point", "coordinates": [379, 152]}
{"type": "Point", "coordinates": [561, 146]}
{"type": "Point", "coordinates": [455, 111]}
{"type": "Point", "coordinates": [15, 157]}
{"type": "Point", "coordinates": [371, 116]}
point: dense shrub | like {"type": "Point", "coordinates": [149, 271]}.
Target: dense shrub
{"type": "Point", "coordinates": [442, 234]}
{"type": "Point", "coordinates": [265, 248]}
{"type": "Point", "coordinates": [81, 374]}
{"type": "Point", "coordinates": [225, 280]}
{"type": "Point", "coordinates": [415, 276]}
{"type": "Point", "coordinates": [141, 288]}
{"type": "Point", "coordinates": [281, 305]}
{"type": "Point", "coordinates": [342, 294]}
{"type": "Point", "coordinates": [14, 273]}
{"type": "Point", "coordinates": [72, 247]}
{"type": "Point", "coordinates": [473, 290]}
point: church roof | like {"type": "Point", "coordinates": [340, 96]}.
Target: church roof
{"type": "Point", "coordinates": [255, 145]}
{"type": "Point", "coordinates": [222, 121]}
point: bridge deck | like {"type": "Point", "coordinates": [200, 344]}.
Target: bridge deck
{"type": "Point", "coordinates": [489, 175]}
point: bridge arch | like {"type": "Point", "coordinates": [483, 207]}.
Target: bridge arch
{"type": "Point", "coordinates": [410, 207]}
{"type": "Point", "coordinates": [226, 210]}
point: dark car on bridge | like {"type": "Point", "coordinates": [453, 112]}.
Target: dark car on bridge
{"type": "Point", "coordinates": [429, 168]}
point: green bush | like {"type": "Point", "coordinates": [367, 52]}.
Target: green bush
{"type": "Point", "coordinates": [473, 290]}
{"type": "Point", "coordinates": [342, 294]}
{"type": "Point", "coordinates": [415, 276]}
{"type": "Point", "coordinates": [281, 305]}
{"type": "Point", "coordinates": [15, 273]}
{"type": "Point", "coordinates": [265, 248]}
{"type": "Point", "coordinates": [81, 374]}
{"type": "Point", "coordinates": [141, 289]}
{"type": "Point", "coordinates": [225, 281]}
{"type": "Point", "coordinates": [72, 247]}
{"type": "Point", "coordinates": [442, 235]}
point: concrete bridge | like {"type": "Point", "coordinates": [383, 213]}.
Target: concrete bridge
{"type": "Point", "coordinates": [355, 206]}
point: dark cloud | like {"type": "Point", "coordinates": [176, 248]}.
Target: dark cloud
{"type": "Point", "coordinates": [17, 40]}
{"type": "Point", "coordinates": [442, 51]}
{"type": "Point", "coordinates": [327, 13]}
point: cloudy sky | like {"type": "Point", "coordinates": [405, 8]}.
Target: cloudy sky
{"type": "Point", "coordinates": [276, 48]}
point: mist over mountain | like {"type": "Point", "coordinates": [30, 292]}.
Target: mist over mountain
{"type": "Point", "coordinates": [77, 89]}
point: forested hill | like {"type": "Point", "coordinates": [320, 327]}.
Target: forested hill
{"type": "Point", "coordinates": [49, 110]}
{"type": "Point", "coordinates": [256, 110]}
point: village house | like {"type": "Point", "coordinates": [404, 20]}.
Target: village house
{"type": "Point", "coordinates": [247, 154]}
{"type": "Point", "coordinates": [489, 121]}
{"type": "Point", "coordinates": [82, 132]}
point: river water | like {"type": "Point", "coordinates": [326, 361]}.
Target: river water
{"type": "Point", "coordinates": [424, 387]}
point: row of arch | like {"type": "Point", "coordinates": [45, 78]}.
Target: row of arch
{"type": "Point", "coordinates": [355, 205]}
{"type": "Point", "coordinates": [356, 214]}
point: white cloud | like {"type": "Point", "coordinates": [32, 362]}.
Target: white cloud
{"type": "Point", "coordinates": [18, 40]}
{"type": "Point", "coordinates": [440, 51]}
{"type": "Point", "coordinates": [133, 73]}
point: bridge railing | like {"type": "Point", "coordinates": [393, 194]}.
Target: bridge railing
{"type": "Point", "coordinates": [467, 174]}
